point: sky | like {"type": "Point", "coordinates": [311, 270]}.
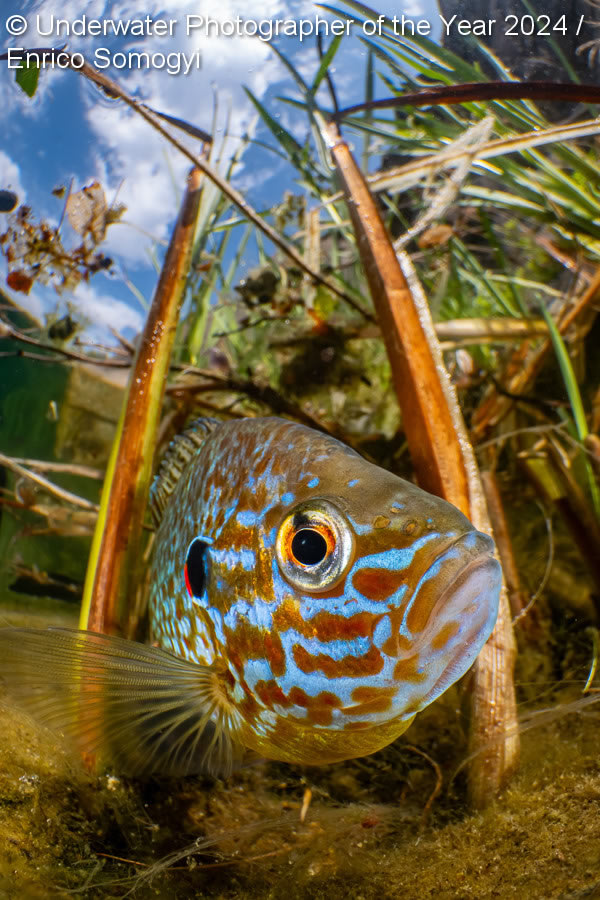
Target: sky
{"type": "Point", "coordinates": [69, 133]}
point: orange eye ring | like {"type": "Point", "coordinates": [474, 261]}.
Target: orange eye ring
{"type": "Point", "coordinates": [315, 546]}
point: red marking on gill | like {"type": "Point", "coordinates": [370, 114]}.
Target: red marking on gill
{"type": "Point", "coordinates": [187, 581]}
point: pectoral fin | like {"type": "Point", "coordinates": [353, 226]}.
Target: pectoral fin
{"type": "Point", "coordinates": [138, 708]}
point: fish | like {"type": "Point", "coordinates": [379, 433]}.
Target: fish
{"type": "Point", "coordinates": [304, 605]}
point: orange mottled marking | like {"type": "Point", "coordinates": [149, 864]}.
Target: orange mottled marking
{"type": "Point", "coordinates": [274, 653]}
{"type": "Point", "coordinates": [260, 466]}
{"type": "Point", "coordinates": [444, 635]}
{"type": "Point", "coordinates": [263, 575]}
{"type": "Point", "coordinates": [326, 626]}
{"type": "Point", "coordinates": [420, 613]}
{"type": "Point", "coordinates": [248, 707]}
{"type": "Point", "coordinates": [319, 709]}
{"type": "Point", "coordinates": [377, 584]}
{"type": "Point", "coordinates": [357, 726]}
{"type": "Point", "coordinates": [247, 641]}
{"type": "Point", "coordinates": [237, 537]}
{"type": "Point", "coordinates": [271, 694]}
{"type": "Point", "coordinates": [257, 499]}
{"type": "Point", "coordinates": [406, 670]}
{"type": "Point", "coordinates": [397, 643]}
{"type": "Point", "coordinates": [370, 700]}
{"type": "Point", "coordinates": [219, 520]}
{"type": "Point", "coordinates": [371, 663]}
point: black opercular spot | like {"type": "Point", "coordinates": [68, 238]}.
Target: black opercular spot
{"type": "Point", "coordinates": [195, 567]}
{"type": "Point", "coordinates": [309, 547]}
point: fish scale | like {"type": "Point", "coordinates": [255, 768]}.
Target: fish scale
{"type": "Point", "coordinates": [304, 605]}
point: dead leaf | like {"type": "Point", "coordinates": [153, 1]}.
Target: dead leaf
{"type": "Point", "coordinates": [86, 211]}
{"type": "Point", "coordinates": [19, 281]}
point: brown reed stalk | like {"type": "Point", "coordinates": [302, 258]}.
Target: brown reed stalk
{"type": "Point", "coordinates": [442, 456]}
{"type": "Point", "coordinates": [114, 572]}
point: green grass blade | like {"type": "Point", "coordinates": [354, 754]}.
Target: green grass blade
{"type": "Point", "coordinates": [324, 65]}
{"type": "Point", "coordinates": [287, 140]}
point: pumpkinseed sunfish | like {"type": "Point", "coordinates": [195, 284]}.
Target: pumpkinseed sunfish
{"type": "Point", "coordinates": [306, 605]}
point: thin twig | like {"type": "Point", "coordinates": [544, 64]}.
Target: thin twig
{"type": "Point", "coordinates": [548, 569]}
{"type": "Point", "coordinates": [67, 468]}
{"type": "Point", "coordinates": [261, 393]}
{"type": "Point", "coordinates": [130, 862]}
{"type": "Point", "coordinates": [438, 781]}
{"type": "Point", "coordinates": [49, 486]}
{"type": "Point", "coordinates": [7, 331]}
{"type": "Point", "coordinates": [480, 92]}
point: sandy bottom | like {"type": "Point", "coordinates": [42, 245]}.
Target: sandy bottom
{"type": "Point", "coordinates": [361, 829]}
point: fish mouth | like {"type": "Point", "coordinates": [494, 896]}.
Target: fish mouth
{"type": "Point", "coordinates": [464, 613]}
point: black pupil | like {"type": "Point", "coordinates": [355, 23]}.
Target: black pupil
{"type": "Point", "coordinates": [309, 547]}
{"type": "Point", "coordinates": [196, 566]}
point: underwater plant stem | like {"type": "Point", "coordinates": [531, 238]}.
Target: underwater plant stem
{"type": "Point", "coordinates": [437, 787]}
{"type": "Point", "coordinates": [441, 453]}
{"type": "Point", "coordinates": [114, 571]}
{"type": "Point", "coordinates": [594, 666]}
{"type": "Point", "coordinates": [430, 433]}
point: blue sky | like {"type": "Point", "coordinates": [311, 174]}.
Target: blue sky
{"type": "Point", "coordinates": [70, 132]}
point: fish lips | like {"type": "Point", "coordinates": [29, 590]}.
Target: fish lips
{"type": "Point", "coordinates": [464, 613]}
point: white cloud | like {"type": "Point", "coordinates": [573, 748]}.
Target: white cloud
{"type": "Point", "coordinates": [105, 312]}
{"type": "Point", "coordinates": [10, 176]}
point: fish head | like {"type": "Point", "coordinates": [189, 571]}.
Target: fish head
{"type": "Point", "coordinates": [363, 597]}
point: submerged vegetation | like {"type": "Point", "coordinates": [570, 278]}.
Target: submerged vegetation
{"type": "Point", "coordinates": [494, 209]}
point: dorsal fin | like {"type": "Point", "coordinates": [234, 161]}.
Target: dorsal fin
{"type": "Point", "coordinates": [179, 452]}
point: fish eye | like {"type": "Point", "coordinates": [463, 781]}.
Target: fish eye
{"type": "Point", "coordinates": [195, 567]}
{"type": "Point", "coordinates": [308, 547]}
{"type": "Point", "coordinates": [315, 546]}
